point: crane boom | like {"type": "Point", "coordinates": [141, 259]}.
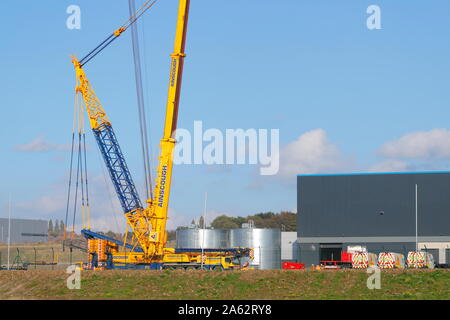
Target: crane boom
{"type": "Point", "coordinates": [107, 142]}
{"type": "Point", "coordinates": [159, 205]}
{"type": "Point", "coordinates": [115, 162]}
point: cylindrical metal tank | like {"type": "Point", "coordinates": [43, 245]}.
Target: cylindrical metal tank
{"type": "Point", "coordinates": [266, 244]}
{"type": "Point", "coordinates": [206, 238]}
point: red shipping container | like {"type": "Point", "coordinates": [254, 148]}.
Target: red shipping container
{"type": "Point", "coordinates": [346, 256]}
{"type": "Point", "coordinates": [293, 265]}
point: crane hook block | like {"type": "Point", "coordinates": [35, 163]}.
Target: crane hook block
{"type": "Point", "coordinates": [119, 31]}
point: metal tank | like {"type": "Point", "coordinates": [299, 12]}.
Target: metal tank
{"type": "Point", "coordinates": [266, 244]}
{"type": "Point", "coordinates": [206, 238]}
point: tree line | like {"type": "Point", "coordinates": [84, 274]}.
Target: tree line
{"type": "Point", "coordinates": [284, 220]}
{"type": "Point", "coordinates": [55, 228]}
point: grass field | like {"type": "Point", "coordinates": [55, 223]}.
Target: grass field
{"type": "Point", "coordinates": [252, 284]}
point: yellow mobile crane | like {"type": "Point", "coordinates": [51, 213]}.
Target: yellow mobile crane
{"type": "Point", "coordinates": [148, 246]}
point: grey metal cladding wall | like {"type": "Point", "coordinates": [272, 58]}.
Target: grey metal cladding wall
{"type": "Point", "coordinates": [23, 230]}
{"type": "Point", "coordinates": [309, 253]}
{"type": "Point", "coordinates": [398, 247]}
{"type": "Point", "coordinates": [350, 205]}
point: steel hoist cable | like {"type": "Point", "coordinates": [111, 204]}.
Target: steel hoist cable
{"type": "Point", "coordinates": [83, 173]}
{"type": "Point", "coordinates": [71, 163]}
{"type": "Point", "coordinates": [147, 5]}
{"type": "Point", "coordinates": [88, 208]}
{"type": "Point", "coordinates": [149, 151]}
{"type": "Point", "coordinates": [141, 105]}
{"type": "Point", "coordinates": [81, 176]}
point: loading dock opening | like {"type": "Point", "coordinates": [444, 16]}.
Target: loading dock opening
{"type": "Point", "coordinates": [330, 251]}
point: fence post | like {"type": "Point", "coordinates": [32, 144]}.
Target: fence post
{"type": "Point", "coordinates": [35, 261]}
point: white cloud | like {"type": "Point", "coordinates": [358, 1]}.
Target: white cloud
{"type": "Point", "coordinates": [39, 144]}
{"type": "Point", "coordinates": [115, 224]}
{"type": "Point", "coordinates": [106, 211]}
{"type": "Point", "coordinates": [48, 204]}
{"type": "Point", "coordinates": [52, 204]}
{"type": "Point", "coordinates": [432, 144]}
{"type": "Point", "coordinates": [390, 165]}
{"type": "Point", "coordinates": [312, 153]}
{"type": "Point", "coordinates": [175, 220]}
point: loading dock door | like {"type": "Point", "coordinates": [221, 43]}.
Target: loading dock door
{"type": "Point", "coordinates": [330, 251]}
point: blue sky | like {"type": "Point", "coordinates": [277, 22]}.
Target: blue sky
{"type": "Point", "coordinates": [345, 98]}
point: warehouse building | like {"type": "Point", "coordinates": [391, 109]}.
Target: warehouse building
{"type": "Point", "coordinates": [24, 230]}
{"type": "Point", "coordinates": [376, 212]}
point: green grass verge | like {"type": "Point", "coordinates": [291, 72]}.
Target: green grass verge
{"type": "Point", "coordinates": [267, 284]}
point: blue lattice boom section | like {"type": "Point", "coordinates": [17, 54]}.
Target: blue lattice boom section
{"type": "Point", "coordinates": [117, 168]}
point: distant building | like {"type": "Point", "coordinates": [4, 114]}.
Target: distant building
{"type": "Point", "coordinates": [289, 246]}
{"type": "Point", "coordinates": [24, 230]}
{"type": "Point", "coordinates": [373, 211]}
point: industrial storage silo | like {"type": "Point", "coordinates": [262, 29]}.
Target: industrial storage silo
{"type": "Point", "coordinates": [206, 238]}
{"type": "Point", "coordinates": [266, 244]}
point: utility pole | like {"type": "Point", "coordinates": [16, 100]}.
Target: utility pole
{"type": "Point", "coordinates": [9, 228]}
{"type": "Point", "coordinates": [417, 242]}
{"type": "Point", "coordinates": [204, 228]}
{"type": "Point", "coordinates": [204, 211]}
{"type": "Point", "coordinates": [35, 258]}
{"type": "Point", "coordinates": [53, 258]}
